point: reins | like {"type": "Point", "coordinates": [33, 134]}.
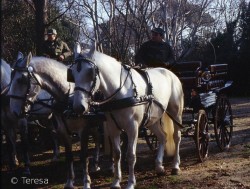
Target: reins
{"type": "Point", "coordinates": [5, 90]}
{"type": "Point", "coordinates": [115, 93]}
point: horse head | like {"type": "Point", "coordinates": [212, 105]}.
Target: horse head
{"type": "Point", "coordinates": [85, 74]}
{"type": "Point", "coordinates": [22, 92]}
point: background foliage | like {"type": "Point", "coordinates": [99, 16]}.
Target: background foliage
{"type": "Point", "coordinates": [212, 31]}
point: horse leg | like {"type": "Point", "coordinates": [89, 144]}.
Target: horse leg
{"type": "Point", "coordinates": [11, 147]}
{"type": "Point", "coordinates": [96, 136]}
{"type": "Point", "coordinates": [157, 130]}
{"type": "Point", "coordinates": [84, 137]}
{"type": "Point", "coordinates": [56, 149]}
{"type": "Point", "coordinates": [64, 135]}
{"type": "Point", "coordinates": [176, 160]}
{"type": "Point", "coordinates": [51, 135]}
{"type": "Point", "coordinates": [51, 125]}
{"type": "Point", "coordinates": [9, 126]}
{"type": "Point", "coordinates": [115, 141]}
{"type": "Point", "coordinates": [25, 144]}
{"type": "Point", "coordinates": [131, 155]}
{"type": "Point", "coordinates": [175, 109]}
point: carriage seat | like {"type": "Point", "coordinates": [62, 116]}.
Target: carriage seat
{"type": "Point", "coordinates": [188, 73]}
{"type": "Point", "coordinates": [218, 75]}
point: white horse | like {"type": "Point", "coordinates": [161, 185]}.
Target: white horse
{"type": "Point", "coordinates": [50, 75]}
{"type": "Point", "coordinates": [128, 97]}
{"type": "Point", "coordinates": [10, 122]}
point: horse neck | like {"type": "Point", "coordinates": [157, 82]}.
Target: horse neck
{"type": "Point", "coordinates": [54, 81]}
{"type": "Point", "coordinates": [110, 74]}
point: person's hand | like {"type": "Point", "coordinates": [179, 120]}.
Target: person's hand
{"type": "Point", "coordinates": [61, 58]}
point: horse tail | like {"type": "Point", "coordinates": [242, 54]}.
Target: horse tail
{"type": "Point", "coordinates": [168, 128]}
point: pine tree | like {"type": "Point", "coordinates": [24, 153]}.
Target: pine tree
{"type": "Point", "coordinates": [243, 64]}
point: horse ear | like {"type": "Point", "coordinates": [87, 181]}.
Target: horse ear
{"type": "Point", "coordinates": [18, 59]}
{"type": "Point", "coordinates": [77, 50]}
{"type": "Point", "coordinates": [92, 50]}
{"type": "Point", "coordinates": [19, 56]}
{"type": "Point", "coordinates": [28, 59]}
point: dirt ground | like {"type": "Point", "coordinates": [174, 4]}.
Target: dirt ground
{"type": "Point", "coordinates": [230, 169]}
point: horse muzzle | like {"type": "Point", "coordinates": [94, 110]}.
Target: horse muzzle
{"type": "Point", "coordinates": [80, 103]}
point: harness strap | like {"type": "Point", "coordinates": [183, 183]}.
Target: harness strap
{"type": "Point", "coordinates": [120, 103]}
{"type": "Point", "coordinates": [5, 90]}
{"type": "Point", "coordinates": [145, 75]}
{"type": "Point", "coordinates": [117, 125]}
{"type": "Point", "coordinates": [172, 117]}
{"type": "Point", "coordinates": [17, 97]}
{"type": "Point", "coordinates": [146, 115]}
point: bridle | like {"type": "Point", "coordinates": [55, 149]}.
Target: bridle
{"type": "Point", "coordinates": [27, 81]}
{"type": "Point", "coordinates": [92, 89]}
{"type": "Point", "coordinates": [93, 86]}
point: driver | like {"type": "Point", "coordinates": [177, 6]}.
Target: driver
{"type": "Point", "coordinates": [55, 48]}
{"type": "Point", "coordinates": [155, 52]}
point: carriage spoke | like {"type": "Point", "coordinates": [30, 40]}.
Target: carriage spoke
{"type": "Point", "coordinates": [223, 122]}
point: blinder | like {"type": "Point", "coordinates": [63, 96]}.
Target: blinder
{"type": "Point", "coordinates": [95, 74]}
{"type": "Point", "coordinates": [70, 77]}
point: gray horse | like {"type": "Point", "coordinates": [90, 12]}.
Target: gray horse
{"type": "Point", "coordinates": [50, 75]}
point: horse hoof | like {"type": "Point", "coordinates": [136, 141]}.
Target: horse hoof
{"type": "Point", "coordinates": [175, 171]}
{"type": "Point", "coordinates": [161, 173]}
{"type": "Point", "coordinates": [130, 186]}
{"type": "Point", "coordinates": [160, 170]}
{"type": "Point", "coordinates": [87, 186]}
{"type": "Point", "coordinates": [26, 171]}
{"type": "Point", "coordinates": [95, 169]}
{"type": "Point", "coordinates": [115, 187]}
{"type": "Point", "coordinates": [69, 186]}
{"type": "Point", "coordinates": [116, 184]}
{"type": "Point", "coordinates": [55, 159]}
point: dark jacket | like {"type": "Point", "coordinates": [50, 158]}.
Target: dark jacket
{"type": "Point", "coordinates": [54, 49]}
{"type": "Point", "coordinates": [155, 54]}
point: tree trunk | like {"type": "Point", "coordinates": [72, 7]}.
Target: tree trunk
{"type": "Point", "coordinates": [41, 21]}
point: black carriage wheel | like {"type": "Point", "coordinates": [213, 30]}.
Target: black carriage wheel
{"type": "Point", "coordinates": [223, 122]}
{"type": "Point", "coordinates": [201, 135]}
{"type": "Point", "coordinates": [151, 139]}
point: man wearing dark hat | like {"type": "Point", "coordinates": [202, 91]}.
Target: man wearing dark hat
{"type": "Point", "coordinates": [54, 47]}
{"type": "Point", "coordinates": [155, 52]}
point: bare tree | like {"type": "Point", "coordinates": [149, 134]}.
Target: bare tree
{"type": "Point", "coordinates": [41, 11]}
{"type": "Point", "coordinates": [120, 26]}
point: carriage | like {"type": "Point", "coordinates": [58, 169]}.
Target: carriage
{"type": "Point", "coordinates": [207, 112]}
{"type": "Point", "coordinates": [132, 96]}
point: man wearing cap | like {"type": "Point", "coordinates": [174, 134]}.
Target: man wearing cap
{"type": "Point", "coordinates": [54, 47]}
{"type": "Point", "coordinates": [155, 52]}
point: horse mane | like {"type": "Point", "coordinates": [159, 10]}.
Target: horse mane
{"type": "Point", "coordinates": [52, 68]}
{"type": "Point", "coordinates": [42, 63]}
{"type": "Point", "coordinates": [100, 57]}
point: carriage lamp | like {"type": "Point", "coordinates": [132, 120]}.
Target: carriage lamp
{"type": "Point", "coordinates": [206, 76]}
